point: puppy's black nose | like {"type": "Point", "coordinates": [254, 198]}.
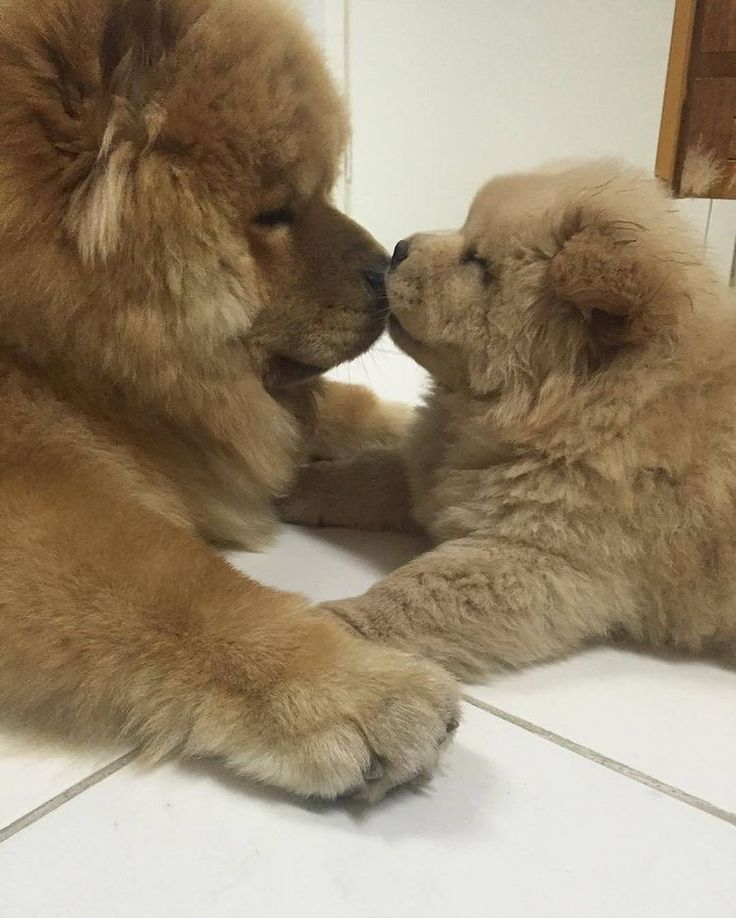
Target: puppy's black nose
{"type": "Point", "coordinates": [375, 277]}
{"type": "Point", "coordinates": [401, 253]}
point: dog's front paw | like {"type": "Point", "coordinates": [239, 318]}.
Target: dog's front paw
{"type": "Point", "coordinates": [354, 718]}
{"type": "Point", "coordinates": [385, 718]}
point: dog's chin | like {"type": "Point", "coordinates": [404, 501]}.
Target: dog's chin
{"type": "Point", "coordinates": [284, 372]}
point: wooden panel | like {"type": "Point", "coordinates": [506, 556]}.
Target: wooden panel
{"type": "Point", "coordinates": [697, 136]}
{"type": "Point", "coordinates": [676, 89]}
{"type": "Point", "coordinates": [711, 114]}
{"type": "Point", "coordinates": [709, 134]}
{"type": "Point", "coordinates": [719, 26]}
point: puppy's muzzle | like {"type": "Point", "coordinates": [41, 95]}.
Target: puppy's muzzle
{"type": "Point", "coordinates": [401, 253]}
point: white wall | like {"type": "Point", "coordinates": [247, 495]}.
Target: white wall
{"type": "Point", "coordinates": [315, 12]}
{"type": "Point", "coordinates": [328, 19]}
{"type": "Point", "coordinates": [445, 93]}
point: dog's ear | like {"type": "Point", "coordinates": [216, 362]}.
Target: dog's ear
{"type": "Point", "coordinates": [138, 38]}
{"type": "Point", "coordinates": [138, 35]}
{"type": "Point", "coordinates": [621, 291]}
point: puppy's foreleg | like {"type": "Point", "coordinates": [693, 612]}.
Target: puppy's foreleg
{"type": "Point", "coordinates": [476, 605]}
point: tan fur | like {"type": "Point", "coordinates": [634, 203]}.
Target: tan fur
{"type": "Point", "coordinates": [576, 462]}
{"type": "Point", "coordinates": [160, 346]}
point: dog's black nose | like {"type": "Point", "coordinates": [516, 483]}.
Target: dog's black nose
{"type": "Point", "coordinates": [401, 253]}
{"type": "Point", "coordinates": [376, 279]}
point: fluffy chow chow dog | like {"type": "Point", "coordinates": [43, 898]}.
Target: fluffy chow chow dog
{"type": "Point", "coordinates": [172, 281]}
{"type": "Point", "coordinates": [575, 461]}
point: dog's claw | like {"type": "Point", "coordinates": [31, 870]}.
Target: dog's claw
{"type": "Point", "coordinates": [376, 769]}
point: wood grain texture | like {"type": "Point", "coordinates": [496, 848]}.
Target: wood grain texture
{"type": "Point", "coordinates": [719, 26]}
{"type": "Point", "coordinates": [697, 136]}
{"type": "Point", "coordinates": [710, 128]}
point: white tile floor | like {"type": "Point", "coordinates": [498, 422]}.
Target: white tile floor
{"type": "Point", "coordinates": [601, 786]}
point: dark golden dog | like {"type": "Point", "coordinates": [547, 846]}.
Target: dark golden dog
{"type": "Point", "coordinates": [172, 281]}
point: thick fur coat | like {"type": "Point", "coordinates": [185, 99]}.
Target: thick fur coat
{"type": "Point", "coordinates": [173, 280]}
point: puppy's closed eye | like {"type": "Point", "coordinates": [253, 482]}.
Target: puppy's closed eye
{"type": "Point", "coordinates": [471, 257]}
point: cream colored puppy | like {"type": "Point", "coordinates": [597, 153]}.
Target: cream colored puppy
{"type": "Point", "coordinates": [575, 461]}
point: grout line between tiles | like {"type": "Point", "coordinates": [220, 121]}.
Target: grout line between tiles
{"type": "Point", "coordinates": [585, 752]}
{"type": "Point", "coordinates": [65, 796]}
{"type": "Point", "coordinates": [612, 764]}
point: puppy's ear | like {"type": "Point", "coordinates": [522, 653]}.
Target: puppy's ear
{"type": "Point", "coordinates": [621, 292]}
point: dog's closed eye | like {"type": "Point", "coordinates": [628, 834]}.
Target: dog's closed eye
{"type": "Point", "coordinates": [282, 216]}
